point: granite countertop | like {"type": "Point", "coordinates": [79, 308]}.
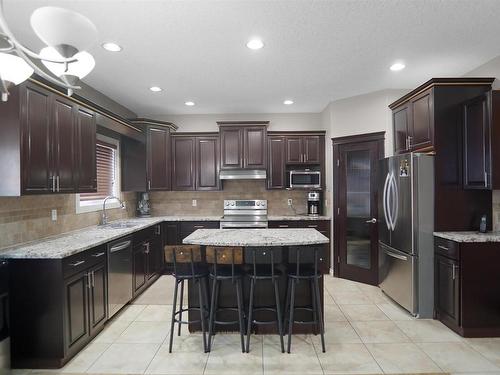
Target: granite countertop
{"type": "Point", "coordinates": [296, 217]}
{"type": "Point", "coordinates": [256, 237]}
{"type": "Point", "coordinates": [469, 236]}
{"type": "Point", "coordinates": [70, 243]}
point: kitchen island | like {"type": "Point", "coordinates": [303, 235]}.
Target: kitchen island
{"type": "Point", "coordinates": [264, 297]}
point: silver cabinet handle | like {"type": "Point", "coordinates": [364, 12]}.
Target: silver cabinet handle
{"type": "Point", "coordinates": [120, 246]}
{"type": "Point", "coordinates": [372, 221]}
{"type": "Point", "coordinates": [146, 245]}
{"type": "Point", "coordinates": [283, 226]}
{"type": "Point", "coordinates": [158, 229]}
{"type": "Point", "coordinates": [76, 264]}
{"type": "Point", "coordinates": [312, 226]}
{"type": "Point", "coordinates": [198, 226]}
{"type": "Point", "coordinates": [149, 184]}
{"type": "Point", "coordinates": [58, 187]}
{"type": "Point", "coordinates": [453, 271]}
{"type": "Point", "coordinates": [93, 279]}
{"type": "Point", "coordinates": [485, 179]}
{"type": "Point", "coordinates": [443, 248]}
{"type": "Point", "coordinates": [97, 255]}
{"type": "Point", "coordinates": [89, 282]}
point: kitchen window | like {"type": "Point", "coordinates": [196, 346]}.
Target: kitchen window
{"type": "Point", "coordinates": [108, 177]}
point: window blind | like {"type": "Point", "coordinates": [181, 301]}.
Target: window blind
{"type": "Point", "coordinates": [106, 165]}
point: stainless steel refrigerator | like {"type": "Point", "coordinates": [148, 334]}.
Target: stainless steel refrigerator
{"type": "Point", "coordinates": [406, 225]}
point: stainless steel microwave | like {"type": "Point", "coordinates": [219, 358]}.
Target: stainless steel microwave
{"type": "Point", "coordinates": [305, 179]}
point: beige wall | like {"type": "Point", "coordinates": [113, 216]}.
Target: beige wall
{"type": "Point", "coordinates": [28, 218]}
{"type": "Point", "coordinates": [278, 121]}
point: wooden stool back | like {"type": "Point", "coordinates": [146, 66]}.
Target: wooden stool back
{"type": "Point", "coordinates": [224, 256]}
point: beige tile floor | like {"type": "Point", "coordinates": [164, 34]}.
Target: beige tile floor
{"type": "Point", "coordinates": [366, 333]}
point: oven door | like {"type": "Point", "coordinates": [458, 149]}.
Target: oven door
{"type": "Point", "coordinates": [243, 225]}
{"type": "Point", "coordinates": [305, 179]}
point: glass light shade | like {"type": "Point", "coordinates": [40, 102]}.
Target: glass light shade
{"type": "Point", "coordinates": [14, 69]}
{"type": "Point", "coordinates": [62, 27]}
{"type": "Point", "coordinates": [80, 68]}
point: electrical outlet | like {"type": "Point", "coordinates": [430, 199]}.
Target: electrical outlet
{"type": "Point", "coordinates": [53, 215]}
{"type": "Point", "coordinates": [290, 202]}
{"type": "Point", "coordinates": [194, 203]}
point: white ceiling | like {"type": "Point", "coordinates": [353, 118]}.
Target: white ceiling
{"type": "Point", "coordinates": [315, 51]}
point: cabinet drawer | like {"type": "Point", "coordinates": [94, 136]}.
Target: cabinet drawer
{"type": "Point", "coordinates": [81, 261]}
{"type": "Point", "coordinates": [319, 225]}
{"type": "Point", "coordinates": [447, 248]}
{"type": "Point", "coordinates": [282, 224]}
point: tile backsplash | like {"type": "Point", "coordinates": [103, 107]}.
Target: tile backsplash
{"type": "Point", "coordinates": [28, 218]}
{"type": "Point", "coordinates": [211, 202]}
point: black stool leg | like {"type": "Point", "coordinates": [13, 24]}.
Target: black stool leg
{"type": "Point", "coordinates": [239, 293]}
{"type": "Point", "coordinates": [213, 310]}
{"type": "Point", "coordinates": [202, 313]}
{"type": "Point", "coordinates": [314, 309]}
{"type": "Point", "coordinates": [250, 313]}
{"type": "Point", "coordinates": [320, 314]}
{"type": "Point", "coordinates": [287, 302]}
{"type": "Point", "coordinates": [278, 314]}
{"type": "Point", "coordinates": [172, 323]}
{"type": "Point", "coordinates": [181, 307]}
{"type": "Point", "coordinates": [292, 308]}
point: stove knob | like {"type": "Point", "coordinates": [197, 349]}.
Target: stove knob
{"type": "Point", "coordinates": [227, 203]}
{"type": "Point", "coordinates": [232, 203]}
{"type": "Point", "coordinates": [258, 203]}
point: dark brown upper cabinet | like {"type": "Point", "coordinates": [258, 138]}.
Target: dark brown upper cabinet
{"type": "Point", "coordinates": [158, 158]}
{"type": "Point", "coordinates": [276, 155]}
{"type": "Point", "coordinates": [400, 120]}
{"type": "Point", "coordinates": [304, 149]}
{"type": "Point", "coordinates": [243, 145]}
{"type": "Point", "coordinates": [195, 161]}
{"type": "Point", "coordinates": [207, 163]}
{"type": "Point", "coordinates": [86, 150]}
{"type": "Point", "coordinates": [47, 143]}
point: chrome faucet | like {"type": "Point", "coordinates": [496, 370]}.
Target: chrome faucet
{"type": "Point", "coordinates": [104, 217]}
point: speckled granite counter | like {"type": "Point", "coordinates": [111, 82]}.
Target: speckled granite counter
{"type": "Point", "coordinates": [297, 218]}
{"type": "Point", "coordinates": [70, 243]}
{"type": "Point", "coordinates": [469, 236]}
{"type": "Point", "coordinates": [256, 237]}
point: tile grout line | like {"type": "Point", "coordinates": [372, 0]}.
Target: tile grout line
{"type": "Point", "coordinates": [364, 345]}
{"type": "Point", "coordinates": [317, 355]}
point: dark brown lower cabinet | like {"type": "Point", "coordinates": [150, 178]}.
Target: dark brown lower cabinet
{"type": "Point", "coordinates": [467, 287]}
{"type": "Point", "coordinates": [59, 305]}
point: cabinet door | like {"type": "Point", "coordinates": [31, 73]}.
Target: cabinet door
{"type": "Point", "coordinates": [231, 148]}
{"type": "Point", "coordinates": [207, 163]}
{"type": "Point", "coordinates": [294, 150]}
{"type": "Point", "coordinates": [447, 289]}
{"type": "Point", "coordinates": [183, 160]}
{"type": "Point", "coordinates": [400, 121]}
{"type": "Point", "coordinates": [86, 151]}
{"type": "Point", "coordinates": [36, 141]}
{"type": "Point", "coordinates": [311, 149]}
{"type": "Point", "coordinates": [254, 147]}
{"type": "Point", "coordinates": [76, 310]}
{"type": "Point", "coordinates": [158, 159]}
{"type": "Point", "coordinates": [140, 267]}
{"type": "Point", "coordinates": [98, 298]}
{"type": "Point", "coordinates": [477, 143]}
{"type": "Point", "coordinates": [155, 257]}
{"type": "Point", "coordinates": [421, 132]}
{"type": "Point", "coordinates": [277, 176]}
{"type": "Point", "coordinates": [63, 145]}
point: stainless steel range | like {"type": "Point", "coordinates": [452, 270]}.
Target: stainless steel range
{"type": "Point", "coordinates": [248, 213]}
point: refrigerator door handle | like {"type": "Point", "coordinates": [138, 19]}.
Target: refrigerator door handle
{"type": "Point", "coordinates": [393, 213]}
{"type": "Point", "coordinates": [394, 255]}
{"type": "Point", "coordinates": [385, 202]}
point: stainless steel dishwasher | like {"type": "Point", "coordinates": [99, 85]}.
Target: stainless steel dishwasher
{"type": "Point", "coordinates": [119, 274]}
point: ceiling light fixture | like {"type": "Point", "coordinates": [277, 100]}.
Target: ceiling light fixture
{"type": "Point", "coordinates": [255, 44]}
{"type": "Point", "coordinates": [288, 102]}
{"type": "Point", "coordinates": [189, 104]}
{"type": "Point", "coordinates": [155, 88]}
{"type": "Point", "coordinates": [396, 67]}
{"type": "Point", "coordinates": [67, 35]}
{"type": "Point", "coordinates": [111, 47]}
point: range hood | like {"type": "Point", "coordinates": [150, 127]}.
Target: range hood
{"type": "Point", "coordinates": [243, 174]}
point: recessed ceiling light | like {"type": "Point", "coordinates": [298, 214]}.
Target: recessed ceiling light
{"type": "Point", "coordinates": [155, 88]}
{"type": "Point", "coordinates": [189, 104]}
{"type": "Point", "coordinates": [396, 67]}
{"type": "Point", "coordinates": [112, 47]}
{"type": "Point", "coordinates": [255, 44]}
{"type": "Point", "coordinates": [288, 102]}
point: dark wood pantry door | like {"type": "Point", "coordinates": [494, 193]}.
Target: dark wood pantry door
{"type": "Point", "coordinates": [355, 206]}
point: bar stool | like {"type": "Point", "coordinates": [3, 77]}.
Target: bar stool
{"type": "Point", "coordinates": [226, 265]}
{"type": "Point", "coordinates": [188, 265]}
{"type": "Point", "coordinates": [263, 262]}
{"type": "Point", "coordinates": [303, 262]}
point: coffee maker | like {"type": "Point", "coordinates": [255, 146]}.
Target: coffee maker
{"type": "Point", "coordinates": [143, 205]}
{"type": "Point", "coordinates": [313, 203]}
